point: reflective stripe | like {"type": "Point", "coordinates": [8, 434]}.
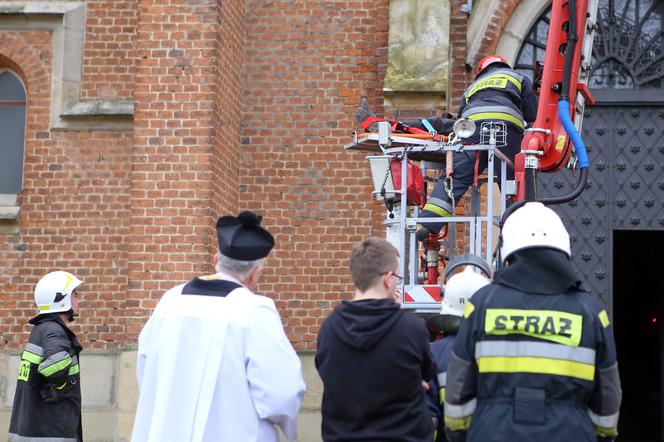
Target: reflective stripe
{"type": "Point", "coordinates": [534, 349]}
{"type": "Point", "coordinates": [551, 325]}
{"type": "Point", "coordinates": [503, 113]}
{"type": "Point", "coordinates": [460, 411]}
{"type": "Point", "coordinates": [536, 365]}
{"type": "Point", "coordinates": [518, 78]}
{"type": "Point", "coordinates": [604, 318]}
{"type": "Point", "coordinates": [12, 437]}
{"type": "Point", "coordinates": [604, 421]}
{"type": "Point", "coordinates": [441, 203]}
{"type": "Point", "coordinates": [31, 357]}
{"type": "Point", "coordinates": [435, 209]}
{"type": "Point", "coordinates": [496, 79]}
{"type": "Point", "coordinates": [442, 382]}
{"type": "Point", "coordinates": [454, 424]}
{"type": "Point", "coordinates": [470, 308]}
{"type": "Point", "coordinates": [439, 206]}
{"type": "Point", "coordinates": [607, 432]}
{"type": "Point", "coordinates": [509, 72]}
{"type": "Point", "coordinates": [497, 116]}
{"type": "Point", "coordinates": [74, 369]}
{"type": "Point", "coordinates": [55, 363]}
{"type": "Point", "coordinates": [74, 360]}
{"type": "Point", "coordinates": [33, 348]}
{"type": "Point", "coordinates": [500, 109]}
{"type": "Point", "coordinates": [492, 81]}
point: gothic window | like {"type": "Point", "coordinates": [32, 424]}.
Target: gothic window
{"type": "Point", "coordinates": [628, 52]}
{"type": "Point", "coordinates": [628, 48]}
{"type": "Point", "coordinates": [12, 128]}
{"type": "Point", "coordinates": [534, 46]}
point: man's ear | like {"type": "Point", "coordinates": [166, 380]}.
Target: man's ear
{"type": "Point", "coordinates": [253, 277]}
{"type": "Point", "coordinates": [386, 280]}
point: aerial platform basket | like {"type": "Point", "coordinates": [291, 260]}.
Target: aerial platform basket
{"type": "Point", "coordinates": [401, 221]}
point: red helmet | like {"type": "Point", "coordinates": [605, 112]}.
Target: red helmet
{"type": "Point", "coordinates": [489, 60]}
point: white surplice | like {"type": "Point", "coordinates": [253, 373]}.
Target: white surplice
{"type": "Point", "coordinates": [216, 369]}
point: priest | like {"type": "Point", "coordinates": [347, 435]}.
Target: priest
{"type": "Point", "coordinates": [214, 363]}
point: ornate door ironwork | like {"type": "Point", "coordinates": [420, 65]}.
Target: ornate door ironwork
{"type": "Point", "coordinates": [624, 134]}
{"type": "Point", "coordinates": [628, 52]}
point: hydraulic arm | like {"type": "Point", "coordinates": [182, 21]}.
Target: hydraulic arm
{"type": "Point", "coordinates": [547, 146]}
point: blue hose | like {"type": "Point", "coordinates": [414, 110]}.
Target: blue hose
{"type": "Point", "coordinates": [566, 120]}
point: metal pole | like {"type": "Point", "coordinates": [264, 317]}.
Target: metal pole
{"type": "Point", "coordinates": [404, 214]}
{"type": "Point", "coordinates": [489, 201]}
{"type": "Point", "coordinates": [414, 277]}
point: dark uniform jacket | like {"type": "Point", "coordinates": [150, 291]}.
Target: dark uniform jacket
{"type": "Point", "coordinates": [441, 351]}
{"type": "Point", "coordinates": [47, 403]}
{"type": "Point", "coordinates": [499, 93]}
{"type": "Point", "coordinates": [535, 359]}
{"type": "Point", "coordinates": [372, 357]}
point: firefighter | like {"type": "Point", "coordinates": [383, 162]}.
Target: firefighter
{"type": "Point", "coordinates": [535, 357]}
{"type": "Point", "coordinates": [47, 402]}
{"type": "Point", "coordinates": [498, 94]}
{"type": "Point", "coordinates": [458, 291]}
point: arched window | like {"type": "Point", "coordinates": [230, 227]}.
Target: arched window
{"type": "Point", "coordinates": [628, 52]}
{"type": "Point", "coordinates": [534, 45]}
{"type": "Point", "coordinates": [12, 128]}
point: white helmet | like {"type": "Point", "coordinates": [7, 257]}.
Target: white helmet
{"type": "Point", "coordinates": [533, 225]}
{"type": "Point", "coordinates": [459, 288]}
{"type": "Point", "coordinates": [53, 292]}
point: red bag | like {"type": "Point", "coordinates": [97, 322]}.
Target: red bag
{"type": "Point", "coordinates": [414, 184]}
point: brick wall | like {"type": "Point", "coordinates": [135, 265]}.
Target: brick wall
{"type": "Point", "coordinates": [228, 111]}
{"type": "Point", "coordinates": [238, 105]}
{"type": "Point", "coordinates": [174, 125]}
{"type": "Point", "coordinates": [307, 68]}
{"type": "Point", "coordinates": [109, 56]}
{"type": "Point", "coordinates": [73, 207]}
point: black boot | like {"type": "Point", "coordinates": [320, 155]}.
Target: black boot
{"type": "Point", "coordinates": [363, 112]}
{"type": "Point", "coordinates": [422, 234]}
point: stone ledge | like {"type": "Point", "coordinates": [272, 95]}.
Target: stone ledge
{"type": "Point", "coordinates": [66, 20]}
{"type": "Point", "coordinates": [8, 199]}
{"type": "Point", "coordinates": [101, 108]}
{"type": "Point", "coordinates": [52, 7]}
{"type": "Point", "coordinates": [9, 213]}
{"type": "Point", "coordinates": [9, 209]}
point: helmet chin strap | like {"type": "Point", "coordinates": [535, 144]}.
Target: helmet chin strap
{"type": "Point", "coordinates": [70, 315]}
